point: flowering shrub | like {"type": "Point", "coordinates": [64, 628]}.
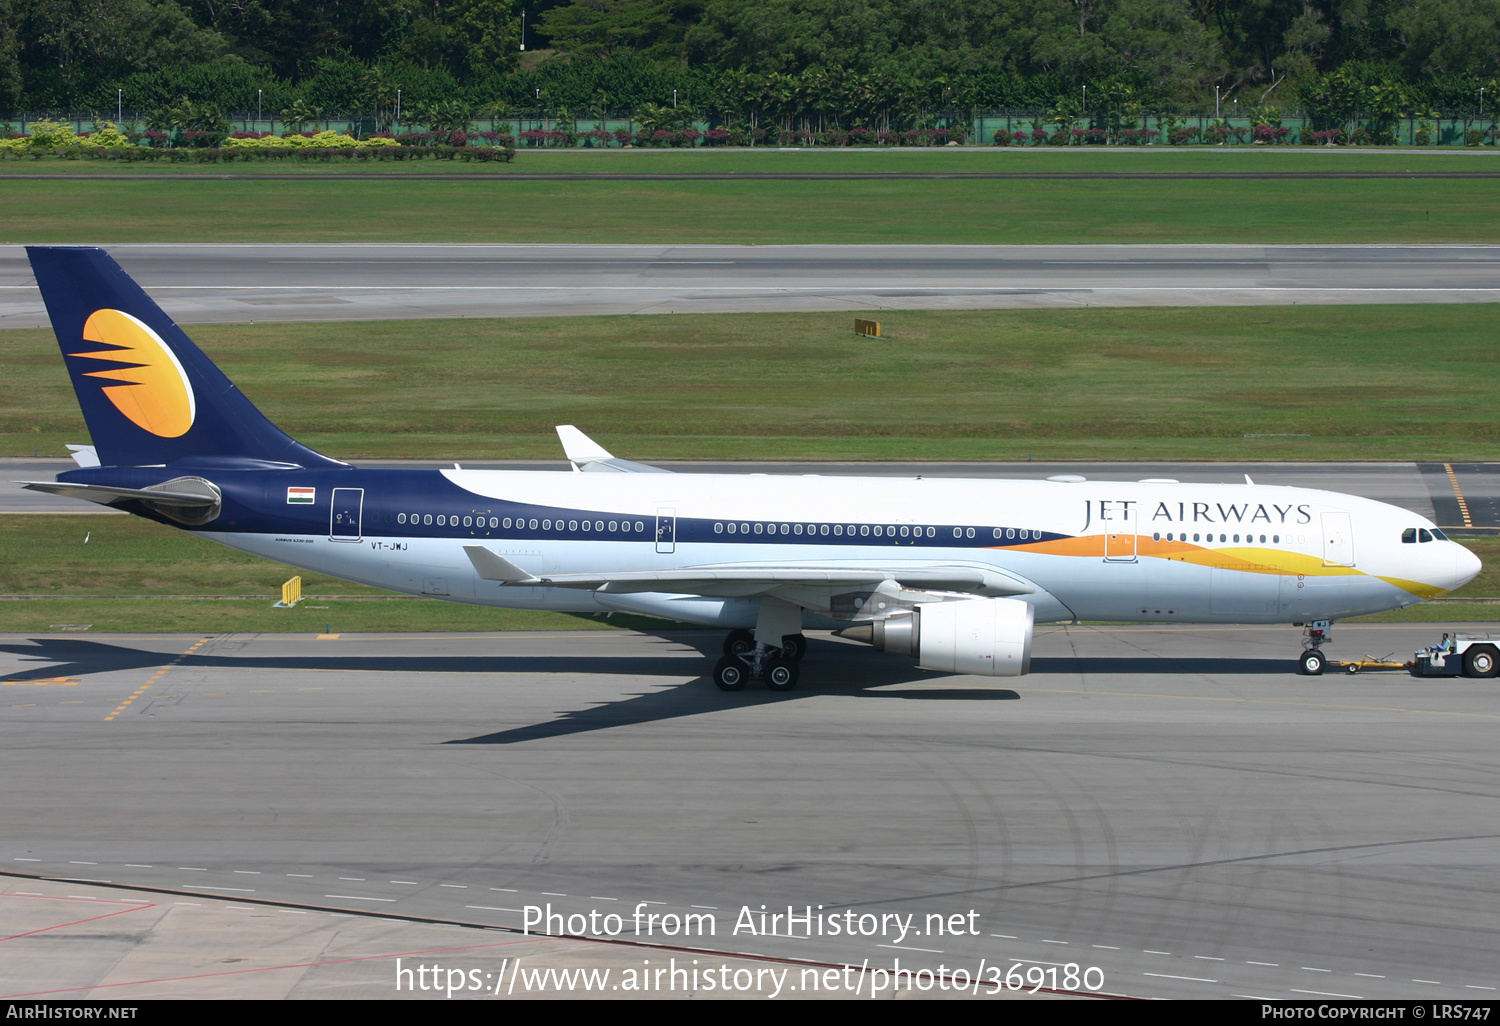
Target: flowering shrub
{"type": "Point", "coordinates": [1138, 136]}
{"type": "Point", "coordinates": [717, 137]}
{"type": "Point", "coordinates": [537, 137]}
{"type": "Point", "coordinates": [1002, 137]}
{"type": "Point", "coordinates": [1270, 134]}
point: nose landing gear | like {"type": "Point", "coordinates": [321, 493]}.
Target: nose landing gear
{"type": "Point", "coordinates": [1317, 634]}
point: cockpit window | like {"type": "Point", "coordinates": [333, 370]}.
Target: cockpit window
{"type": "Point", "coordinates": [1439, 535]}
{"type": "Point", "coordinates": [1409, 536]}
{"type": "Point", "coordinates": [1424, 535]}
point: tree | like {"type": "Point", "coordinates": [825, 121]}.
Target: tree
{"type": "Point", "coordinates": [654, 29]}
{"type": "Point", "coordinates": [1450, 37]}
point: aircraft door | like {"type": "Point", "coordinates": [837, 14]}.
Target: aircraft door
{"type": "Point", "coordinates": [666, 530]}
{"type": "Point", "coordinates": [1120, 538]}
{"type": "Point", "coordinates": [1338, 540]}
{"type": "Point", "coordinates": [344, 518]}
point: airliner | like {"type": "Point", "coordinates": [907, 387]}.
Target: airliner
{"type": "Point", "coordinates": [955, 573]}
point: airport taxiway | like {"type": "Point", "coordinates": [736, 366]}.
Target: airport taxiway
{"type": "Point", "coordinates": [1171, 806]}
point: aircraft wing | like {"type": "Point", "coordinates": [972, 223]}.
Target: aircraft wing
{"type": "Point", "coordinates": [588, 456]}
{"type": "Point", "coordinates": [744, 581]}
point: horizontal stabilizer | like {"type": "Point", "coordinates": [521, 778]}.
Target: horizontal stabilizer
{"type": "Point", "coordinates": [108, 494]}
{"type": "Point", "coordinates": [84, 455]}
{"type": "Point", "coordinates": [188, 500]}
{"type": "Point", "coordinates": [588, 456]}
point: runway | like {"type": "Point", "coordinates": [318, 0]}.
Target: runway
{"type": "Point", "coordinates": [1174, 809]}
{"type": "Point", "coordinates": [218, 283]}
{"type": "Point", "coordinates": [1427, 489]}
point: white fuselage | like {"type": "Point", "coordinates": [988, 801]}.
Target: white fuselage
{"type": "Point", "coordinates": [1148, 552]}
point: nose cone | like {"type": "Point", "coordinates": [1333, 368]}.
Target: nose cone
{"type": "Point", "coordinates": [1466, 566]}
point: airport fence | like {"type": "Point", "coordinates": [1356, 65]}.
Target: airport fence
{"type": "Point", "coordinates": [542, 130]}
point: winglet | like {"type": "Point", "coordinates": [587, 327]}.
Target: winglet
{"type": "Point", "coordinates": [587, 455]}
{"type": "Point", "coordinates": [497, 568]}
{"type": "Point", "coordinates": [579, 447]}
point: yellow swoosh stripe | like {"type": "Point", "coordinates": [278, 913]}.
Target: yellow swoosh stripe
{"type": "Point", "coordinates": [1253, 560]}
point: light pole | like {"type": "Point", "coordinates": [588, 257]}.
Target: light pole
{"type": "Point", "coordinates": [120, 105]}
{"type": "Point", "coordinates": [523, 30]}
{"type": "Point", "coordinates": [1085, 99]}
{"type": "Point", "coordinates": [259, 102]}
{"type": "Point", "coordinates": [1216, 101]}
{"type": "Point", "coordinates": [1481, 100]}
{"type": "Point", "coordinates": [397, 121]}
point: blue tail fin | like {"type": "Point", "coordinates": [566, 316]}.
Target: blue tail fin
{"type": "Point", "coordinates": [149, 395]}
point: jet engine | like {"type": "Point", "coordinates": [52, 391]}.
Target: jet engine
{"type": "Point", "coordinates": [990, 637]}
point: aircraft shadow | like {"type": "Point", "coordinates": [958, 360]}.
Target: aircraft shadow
{"type": "Point", "coordinates": [72, 658]}
{"type": "Point", "coordinates": [843, 670]}
{"type": "Point", "coordinates": [830, 669]}
{"type": "Point", "coordinates": [1175, 666]}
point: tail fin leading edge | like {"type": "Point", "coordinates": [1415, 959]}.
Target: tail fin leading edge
{"type": "Point", "coordinates": [148, 394]}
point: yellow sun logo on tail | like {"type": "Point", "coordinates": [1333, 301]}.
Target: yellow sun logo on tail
{"type": "Point", "coordinates": [155, 393]}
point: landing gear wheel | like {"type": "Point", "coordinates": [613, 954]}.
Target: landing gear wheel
{"type": "Point", "coordinates": [1312, 663]}
{"type": "Point", "coordinates": [739, 642]}
{"type": "Point", "coordinates": [793, 648]}
{"type": "Point", "coordinates": [1480, 661]}
{"type": "Point", "coordinates": [781, 675]}
{"type": "Point", "coordinates": [730, 673]}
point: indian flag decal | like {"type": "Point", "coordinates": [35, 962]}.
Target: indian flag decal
{"type": "Point", "coordinates": [301, 496]}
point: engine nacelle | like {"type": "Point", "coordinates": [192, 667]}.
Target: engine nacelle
{"type": "Point", "coordinates": [989, 637]}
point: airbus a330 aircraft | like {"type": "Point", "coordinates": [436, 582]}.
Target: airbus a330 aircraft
{"type": "Point", "coordinates": [953, 572]}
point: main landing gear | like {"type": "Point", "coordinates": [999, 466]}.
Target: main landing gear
{"type": "Point", "coordinates": [743, 659]}
{"type": "Point", "coordinates": [1313, 662]}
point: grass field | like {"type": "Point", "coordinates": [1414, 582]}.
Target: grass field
{"type": "Point", "coordinates": [1359, 382]}
{"type": "Point", "coordinates": [196, 203]}
{"type": "Point", "coordinates": [155, 578]}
